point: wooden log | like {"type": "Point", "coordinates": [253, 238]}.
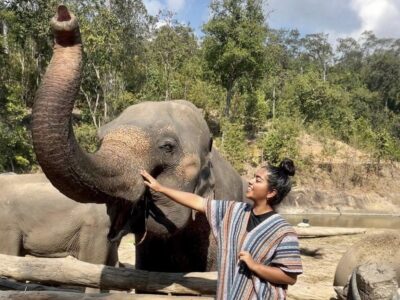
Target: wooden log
{"type": "Point", "coordinates": [42, 295]}
{"type": "Point", "coordinates": [6, 285]}
{"type": "Point", "coordinates": [70, 271]}
{"type": "Point", "coordinates": [316, 231]}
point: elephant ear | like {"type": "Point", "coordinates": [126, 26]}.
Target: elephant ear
{"type": "Point", "coordinates": [206, 181]}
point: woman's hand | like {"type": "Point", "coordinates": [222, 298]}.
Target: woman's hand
{"type": "Point", "coordinates": [246, 257]}
{"type": "Point", "coordinates": [150, 181]}
{"type": "Point", "coordinates": [270, 273]}
{"type": "Point", "coordinates": [187, 199]}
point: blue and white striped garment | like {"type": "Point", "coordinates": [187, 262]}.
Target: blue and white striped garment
{"type": "Point", "coordinates": [273, 242]}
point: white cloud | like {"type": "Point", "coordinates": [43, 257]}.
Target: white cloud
{"type": "Point", "coordinates": [380, 16]}
{"type": "Point", "coordinates": [153, 6]}
{"type": "Point", "coordinates": [338, 18]}
{"type": "Point", "coordinates": [175, 5]}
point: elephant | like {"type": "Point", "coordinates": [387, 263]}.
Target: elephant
{"type": "Point", "coordinates": [170, 140]}
{"type": "Point", "coordinates": [374, 248]}
{"type": "Point", "coordinates": [36, 219]}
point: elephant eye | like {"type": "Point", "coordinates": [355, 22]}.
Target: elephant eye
{"type": "Point", "coordinates": [167, 147]}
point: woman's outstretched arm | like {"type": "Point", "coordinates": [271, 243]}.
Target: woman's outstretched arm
{"type": "Point", "coordinates": [187, 199]}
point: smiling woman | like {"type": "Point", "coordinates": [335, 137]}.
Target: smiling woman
{"type": "Point", "coordinates": [258, 251]}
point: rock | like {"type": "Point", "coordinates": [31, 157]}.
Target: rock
{"type": "Point", "coordinates": [372, 282]}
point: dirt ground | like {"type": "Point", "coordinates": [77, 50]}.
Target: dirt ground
{"type": "Point", "coordinates": [315, 283]}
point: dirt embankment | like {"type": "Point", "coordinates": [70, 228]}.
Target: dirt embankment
{"type": "Point", "coordinates": [333, 177]}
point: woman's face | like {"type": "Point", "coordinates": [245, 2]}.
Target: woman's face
{"type": "Point", "coordinates": [258, 186]}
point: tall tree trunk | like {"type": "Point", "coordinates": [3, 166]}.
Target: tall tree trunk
{"type": "Point", "coordinates": [273, 103]}
{"type": "Point", "coordinates": [94, 109]}
{"type": "Point", "coordinates": [229, 95]}
{"type": "Point", "coordinates": [167, 75]}
{"type": "Point", "coordinates": [5, 36]}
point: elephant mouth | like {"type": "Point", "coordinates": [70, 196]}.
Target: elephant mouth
{"type": "Point", "coordinates": [141, 217]}
{"type": "Point", "coordinates": [152, 212]}
{"type": "Point", "coordinates": [157, 215]}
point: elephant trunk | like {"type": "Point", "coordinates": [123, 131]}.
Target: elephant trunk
{"type": "Point", "coordinates": [81, 176]}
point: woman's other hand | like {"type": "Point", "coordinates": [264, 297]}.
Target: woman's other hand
{"type": "Point", "coordinates": [246, 257]}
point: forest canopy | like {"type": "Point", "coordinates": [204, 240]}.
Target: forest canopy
{"type": "Point", "coordinates": [259, 87]}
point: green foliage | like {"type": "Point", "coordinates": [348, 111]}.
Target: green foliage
{"type": "Point", "coordinates": [270, 81]}
{"type": "Point", "coordinates": [280, 140]}
{"type": "Point", "coordinates": [173, 62]}
{"type": "Point", "coordinates": [257, 111]}
{"type": "Point", "coordinates": [382, 73]}
{"type": "Point", "coordinates": [205, 95]}
{"type": "Point", "coordinates": [386, 147]}
{"type": "Point", "coordinates": [16, 153]}
{"type": "Point", "coordinates": [86, 135]}
{"type": "Point", "coordinates": [234, 43]}
{"type": "Point", "coordinates": [364, 136]}
{"type": "Point", "coordinates": [233, 144]}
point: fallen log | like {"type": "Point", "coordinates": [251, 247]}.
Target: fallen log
{"type": "Point", "coordinates": [316, 231]}
{"type": "Point", "coordinates": [6, 285]}
{"type": "Point", "coordinates": [69, 271]}
{"type": "Point", "coordinates": [35, 295]}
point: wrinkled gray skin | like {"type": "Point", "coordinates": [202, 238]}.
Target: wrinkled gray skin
{"type": "Point", "coordinates": [170, 140]}
{"type": "Point", "coordinates": [376, 248]}
{"type": "Point", "coordinates": [36, 219]}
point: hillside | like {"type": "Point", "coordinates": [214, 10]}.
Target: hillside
{"type": "Point", "coordinates": [341, 179]}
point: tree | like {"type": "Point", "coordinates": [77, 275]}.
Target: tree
{"type": "Point", "coordinates": [280, 140]}
{"type": "Point", "coordinates": [135, 24]}
{"type": "Point", "coordinates": [318, 49]}
{"type": "Point", "coordinates": [173, 45]}
{"type": "Point", "coordinates": [382, 73]}
{"type": "Point", "coordinates": [114, 33]}
{"type": "Point", "coordinates": [233, 144]}
{"type": "Point", "coordinates": [24, 51]}
{"type": "Point", "coordinates": [234, 43]}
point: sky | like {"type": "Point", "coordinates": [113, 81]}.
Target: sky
{"type": "Point", "coordinates": [338, 18]}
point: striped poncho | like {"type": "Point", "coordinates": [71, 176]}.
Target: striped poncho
{"type": "Point", "coordinates": [273, 242]}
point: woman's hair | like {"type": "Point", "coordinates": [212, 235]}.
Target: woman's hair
{"type": "Point", "coordinates": [278, 179]}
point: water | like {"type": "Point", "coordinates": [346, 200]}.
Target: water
{"type": "Point", "coordinates": [358, 221]}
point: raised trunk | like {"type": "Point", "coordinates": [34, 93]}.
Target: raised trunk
{"type": "Point", "coordinates": [81, 176]}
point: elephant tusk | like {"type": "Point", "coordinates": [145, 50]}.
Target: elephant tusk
{"type": "Point", "coordinates": [146, 216]}
{"type": "Point", "coordinates": [354, 288]}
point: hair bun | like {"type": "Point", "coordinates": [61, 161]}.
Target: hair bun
{"type": "Point", "coordinates": [287, 166]}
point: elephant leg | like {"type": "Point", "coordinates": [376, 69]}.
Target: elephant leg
{"type": "Point", "coordinates": [189, 250]}
{"type": "Point", "coordinates": [11, 242]}
{"type": "Point", "coordinates": [95, 248]}
{"type": "Point", "coordinates": [93, 244]}
{"type": "Point", "coordinates": [112, 259]}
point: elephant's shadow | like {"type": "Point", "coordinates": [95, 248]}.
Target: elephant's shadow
{"type": "Point", "coordinates": [314, 253]}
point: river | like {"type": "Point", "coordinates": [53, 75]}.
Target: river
{"type": "Point", "coordinates": [359, 221]}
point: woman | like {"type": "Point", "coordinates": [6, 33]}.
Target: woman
{"type": "Point", "coordinates": [258, 251]}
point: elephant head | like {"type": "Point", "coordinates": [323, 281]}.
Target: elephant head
{"type": "Point", "coordinates": [169, 139]}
